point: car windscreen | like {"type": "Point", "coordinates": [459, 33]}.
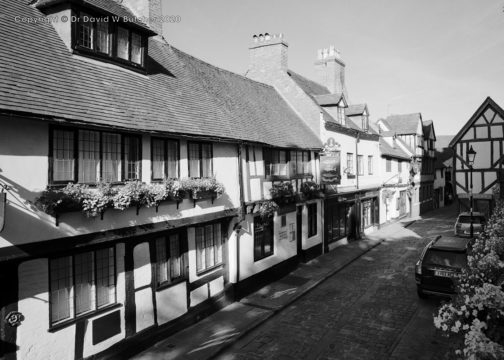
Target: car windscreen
{"type": "Point", "coordinates": [467, 220]}
{"type": "Point", "coordinates": [445, 258]}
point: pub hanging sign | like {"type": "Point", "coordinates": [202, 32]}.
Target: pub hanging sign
{"type": "Point", "coordinates": [330, 168]}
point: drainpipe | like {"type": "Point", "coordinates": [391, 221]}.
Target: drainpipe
{"type": "Point", "coordinates": [237, 227]}
{"type": "Point", "coordinates": [357, 157]}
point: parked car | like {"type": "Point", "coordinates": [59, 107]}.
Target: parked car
{"type": "Point", "coordinates": [440, 262]}
{"type": "Point", "coordinates": [463, 224]}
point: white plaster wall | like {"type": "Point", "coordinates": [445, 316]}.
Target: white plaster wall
{"type": "Point", "coordinates": [216, 286]}
{"type": "Point", "coordinates": [142, 275]}
{"type": "Point", "coordinates": [199, 295]}
{"type": "Point", "coordinates": [33, 339]}
{"type": "Point", "coordinates": [171, 303]}
{"type": "Point", "coordinates": [24, 167]}
{"type": "Point", "coordinates": [282, 249]}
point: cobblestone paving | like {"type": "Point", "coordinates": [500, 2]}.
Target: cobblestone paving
{"type": "Point", "coordinates": [361, 312]}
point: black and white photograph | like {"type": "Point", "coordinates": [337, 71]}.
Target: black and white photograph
{"type": "Point", "coordinates": [249, 180]}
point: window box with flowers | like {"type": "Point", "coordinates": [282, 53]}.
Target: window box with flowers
{"type": "Point", "coordinates": [94, 201]}
{"type": "Point", "coordinates": [282, 193]}
{"type": "Point", "coordinates": [202, 188]}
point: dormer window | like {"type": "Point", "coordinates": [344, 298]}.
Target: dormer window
{"type": "Point", "coordinates": [341, 115]}
{"type": "Point", "coordinates": [365, 122]}
{"type": "Point", "coordinates": [103, 37]}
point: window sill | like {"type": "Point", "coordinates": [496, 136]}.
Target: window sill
{"type": "Point", "coordinates": [208, 270]}
{"type": "Point", "coordinates": [167, 285]}
{"type": "Point", "coordinates": [264, 257]}
{"type": "Point", "coordinates": [88, 315]}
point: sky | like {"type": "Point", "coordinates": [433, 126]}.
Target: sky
{"type": "Point", "coordinates": [440, 58]}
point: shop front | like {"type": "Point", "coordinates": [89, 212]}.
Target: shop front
{"type": "Point", "coordinates": [350, 215]}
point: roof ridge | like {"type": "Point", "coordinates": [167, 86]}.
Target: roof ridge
{"type": "Point", "coordinates": [206, 63]}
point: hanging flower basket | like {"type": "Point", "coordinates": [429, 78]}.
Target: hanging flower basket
{"type": "Point", "coordinates": [267, 209]}
{"type": "Point", "coordinates": [202, 188]}
{"type": "Point", "coordinates": [310, 190]}
{"type": "Point", "coordinates": [282, 193]}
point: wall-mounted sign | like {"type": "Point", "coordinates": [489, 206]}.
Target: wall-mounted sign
{"type": "Point", "coordinates": [14, 318]}
{"type": "Point", "coordinates": [331, 145]}
{"type": "Point", "coordinates": [330, 168]}
{"type": "Point", "coordinates": [3, 202]}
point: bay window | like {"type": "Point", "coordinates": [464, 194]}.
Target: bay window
{"type": "Point", "coordinates": [299, 163]}
{"type": "Point", "coordinates": [275, 162]}
{"type": "Point", "coordinates": [122, 45]}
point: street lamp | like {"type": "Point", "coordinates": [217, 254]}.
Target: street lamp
{"type": "Point", "coordinates": [471, 154]}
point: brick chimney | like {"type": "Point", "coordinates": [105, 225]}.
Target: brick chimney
{"type": "Point", "coordinates": [330, 70]}
{"type": "Point", "coordinates": [149, 11]}
{"type": "Point", "coordinates": [268, 53]}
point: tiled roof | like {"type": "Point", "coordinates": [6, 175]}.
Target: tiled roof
{"type": "Point", "coordinates": [308, 86]}
{"type": "Point", "coordinates": [355, 109]}
{"type": "Point", "coordinates": [387, 150]}
{"type": "Point", "coordinates": [403, 124]}
{"type": "Point", "coordinates": [109, 6]}
{"type": "Point", "coordinates": [179, 95]}
{"type": "Point", "coordinates": [328, 99]}
{"type": "Point", "coordinates": [442, 157]}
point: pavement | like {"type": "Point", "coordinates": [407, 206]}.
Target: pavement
{"type": "Point", "coordinates": [220, 330]}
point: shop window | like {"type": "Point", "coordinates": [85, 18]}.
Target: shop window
{"type": "Point", "coordinates": [263, 238]}
{"type": "Point", "coordinates": [312, 219]}
{"type": "Point", "coordinates": [81, 283]}
{"type": "Point", "coordinates": [209, 242]}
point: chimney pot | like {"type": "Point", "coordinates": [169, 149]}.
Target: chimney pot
{"type": "Point", "coordinates": [267, 37]}
{"type": "Point", "coordinates": [255, 39]}
{"type": "Point", "coordinates": [331, 50]}
{"type": "Point", "coordinates": [261, 37]}
{"type": "Point", "coordinates": [280, 35]}
{"type": "Point", "coordinates": [319, 54]}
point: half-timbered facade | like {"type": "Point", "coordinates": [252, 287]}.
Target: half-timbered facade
{"type": "Point", "coordinates": [130, 121]}
{"type": "Point", "coordinates": [484, 132]}
{"type": "Point", "coordinates": [350, 161]}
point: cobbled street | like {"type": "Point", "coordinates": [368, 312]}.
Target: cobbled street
{"type": "Point", "coordinates": [368, 310]}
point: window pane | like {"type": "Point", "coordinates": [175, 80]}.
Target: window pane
{"type": "Point", "coordinates": [268, 162]}
{"type": "Point", "coordinates": [61, 275]}
{"type": "Point", "coordinates": [122, 43]}
{"type": "Point", "coordinates": [209, 246]}
{"type": "Point", "coordinates": [63, 155]}
{"type": "Point", "coordinates": [136, 48]}
{"type": "Point", "coordinates": [111, 157]}
{"type": "Point", "coordinates": [85, 31]}
{"type": "Point", "coordinates": [172, 157]}
{"type": "Point", "coordinates": [158, 161]}
{"type": "Point", "coordinates": [162, 265]}
{"type": "Point", "coordinates": [83, 268]}
{"type": "Point", "coordinates": [194, 160]}
{"type": "Point", "coordinates": [218, 243]}
{"type": "Point", "coordinates": [105, 277]}
{"type": "Point", "coordinates": [200, 249]}
{"type": "Point", "coordinates": [282, 163]}
{"type": "Point", "coordinates": [132, 157]}
{"type": "Point", "coordinates": [175, 262]}
{"type": "Point", "coordinates": [206, 160]}
{"type": "Point", "coordinates": [258, 238]}
{"type": "Point", "coordinates": [89, 156]}
{"type": "Point", "coordinates": [102, 37]}
{"type": "Point", "coordinates": [306, 162]}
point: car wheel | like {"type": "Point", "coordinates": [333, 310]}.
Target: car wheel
{"type": "Point", "coordinates": [421, 294]}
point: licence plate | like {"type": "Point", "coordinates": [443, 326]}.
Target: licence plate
{"type": "Point", "coordinates": [444, 273]}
